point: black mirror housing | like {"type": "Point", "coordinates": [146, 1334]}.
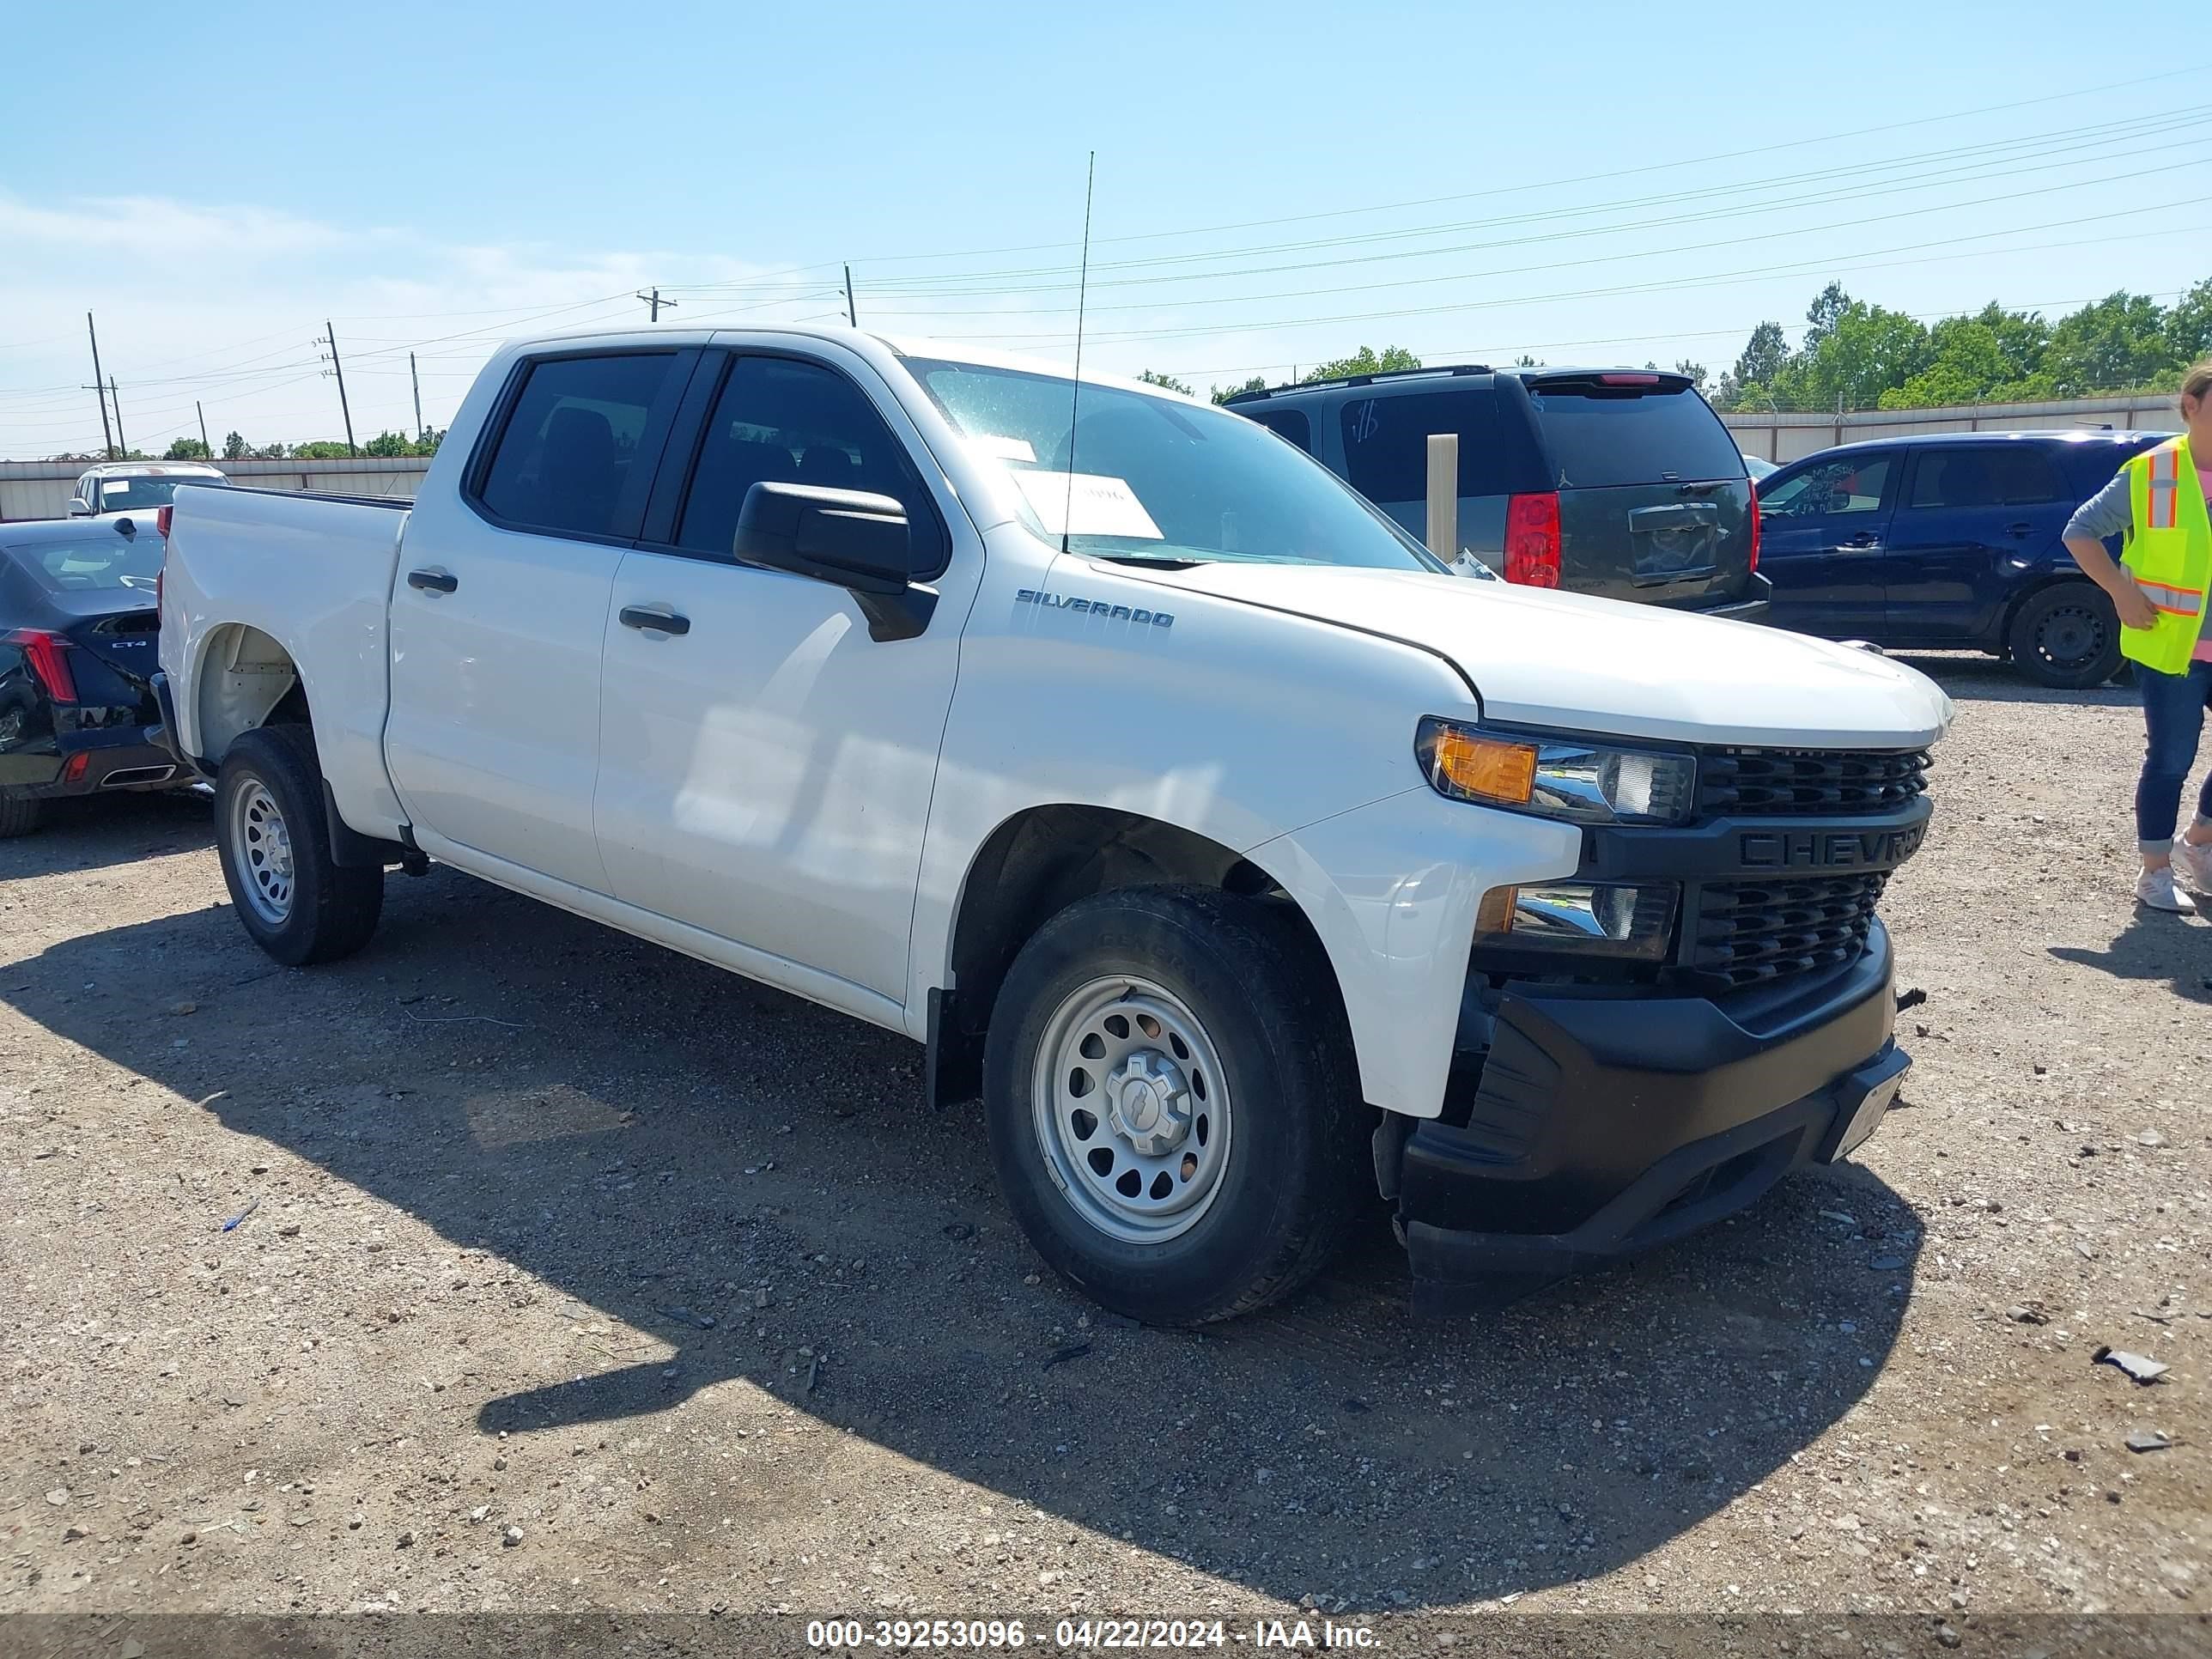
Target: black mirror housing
{"type": "Point", "coordinates": [850, 538]}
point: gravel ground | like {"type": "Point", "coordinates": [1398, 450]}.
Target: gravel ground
{"type": "Point", "coordinates": [577, 1275]}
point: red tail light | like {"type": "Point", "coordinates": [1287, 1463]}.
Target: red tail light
{"type": "Point", "coordinates": [48, 655]}
{"type": "Point", "coordinates": [1532, 540]}
{"type": "Point", "coordinates": [162, 517]}
{"type": "Point", "coordinates": [79, 764]}
{"type": "Point", "coordinates": [1754, 527]}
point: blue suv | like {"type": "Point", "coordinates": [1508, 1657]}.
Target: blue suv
{"type": "Point", "coordinates": [1948, 541]}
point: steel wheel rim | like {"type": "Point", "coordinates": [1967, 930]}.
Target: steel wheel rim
{"type": "Point", "coordinates": [2070, 637]}
{"type": "Point", "coordinates": [1131, 1109]}
{"type": "Point", "coordinates": [263, 844]}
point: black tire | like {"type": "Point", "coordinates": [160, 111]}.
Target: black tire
{"type": "Point", "coordinates": [2066, 636]}
{"type": "Point", "coordinates": [331, 910]}
{"type": "Point", "coordinates": [1296, 1165]}
{"type": "Point", "coordinates": [19, 815]}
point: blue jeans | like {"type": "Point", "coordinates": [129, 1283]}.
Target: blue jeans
{"type": "Point", "coordinates": [2173, 713]}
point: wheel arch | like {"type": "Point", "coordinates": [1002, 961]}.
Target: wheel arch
{"type": "Point", "coordinates": [243, 678]}
{"type": "Point", "coordinates": [1033, 865]}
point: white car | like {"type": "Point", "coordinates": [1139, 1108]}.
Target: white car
{"type": "Point", "coordinates": [122, 490]}
{"type": "Point", "coordinates": [1757, 466]}
{"type": "Point", "coordinates": [1238, 855]}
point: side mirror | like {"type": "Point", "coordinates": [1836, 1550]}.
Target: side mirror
{"type": "Point", "coordinates": [77, 509]}
{"type": "Point", "coordinates": [850, 538]}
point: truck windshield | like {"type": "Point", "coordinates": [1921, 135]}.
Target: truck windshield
{"type": "Point", "coordinates": [1159, 480]}
{"type": "Point", "coordinates": [144, 495]}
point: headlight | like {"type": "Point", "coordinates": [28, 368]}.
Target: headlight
{"type": "Point", "coordinates": [1570, 778]}
{"type": "Point", "coordinates": [1607, 919]}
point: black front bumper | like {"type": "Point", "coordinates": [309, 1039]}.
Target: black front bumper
{"type": "Point", "coordinates": [1606, 1123]}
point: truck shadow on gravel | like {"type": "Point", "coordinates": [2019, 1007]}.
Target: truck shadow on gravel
{"type": "Point", "coordinates": [641, 1145]}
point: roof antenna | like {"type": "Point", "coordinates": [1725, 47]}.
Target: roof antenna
{"type": "Point", "coordinates": [1075, 396]}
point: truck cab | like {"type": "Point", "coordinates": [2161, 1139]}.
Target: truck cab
{"type": "Point", "coordinates": [1234, 855]}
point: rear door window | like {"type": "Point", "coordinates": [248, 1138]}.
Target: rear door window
{"type": "Point", "coordinates": [1386, 444]}
{"type": "Point", "coordinates": [1993, 475]}
{"type": "Point", "coordinates": [570, 458]}
{"type": "Point", "coordinates": [1286, 424]}
{"type": "Point", "coordinates": [1599, 439]}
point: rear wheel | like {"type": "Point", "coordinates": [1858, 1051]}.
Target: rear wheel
{"type": "Point", "coordinates": [272, 836]}
{"type": "Point", "coordinates": [1171, 1104]}
{"type": "Point", "coordinates": [19, 815]}
{"type": "Point", "coordinates": [2067, 636]}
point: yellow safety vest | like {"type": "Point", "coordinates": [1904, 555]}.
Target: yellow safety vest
{"type": "Point", "coordinates": [2169, 553]}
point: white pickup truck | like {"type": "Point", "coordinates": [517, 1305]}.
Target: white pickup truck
{"type": "Point", "coordinates": [1240, 858]}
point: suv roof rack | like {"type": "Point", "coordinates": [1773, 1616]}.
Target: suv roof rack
{"type": "Point", "coordinates": [1358, 379]}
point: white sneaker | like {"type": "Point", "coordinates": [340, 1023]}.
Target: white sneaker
{"type": "Point", "coordinates": [2158, 891]}
{"type": "Point", "coordinates": [2193, 865]}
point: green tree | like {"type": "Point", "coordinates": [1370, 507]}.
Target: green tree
{"type": "Point", "coordinates": [270, 453]}
{"type": "Point", "coordinates": [1826, 310]}
{"type": "Point", "coordinates": [321, 449]}
{"type": "Point", "coordinates": [1693, 373]}
{"type": "Point", "coordinates": [187, 449]}
{"type": "Point", "coordinates": [389, 443]}
{"type": "Point", "coordinates": [1366, 360]}
{"type": "Point", "coordinates": [1861, 352]}
{"type": "Point", "coordinates": [1168, 381]}
{"type": "Point", "coordinates": [234, 447]}
{"type": "Point", "coordinates": [2189, 327]}
{"type": "Point", "coordinates": [1967, 362]}
{"type": "Point", "coordinates": [1222, 394]}
{"type": "Point", "coordinates": [1756, 366]}
{"type": "Point", "coordinates": [2120, 342]}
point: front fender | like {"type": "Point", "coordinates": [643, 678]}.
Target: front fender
{"type": "Point", "coordinates": [1392, 889]}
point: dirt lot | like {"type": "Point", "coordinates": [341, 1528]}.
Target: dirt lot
{"type": "Point", "coordinates": [576, 1275]}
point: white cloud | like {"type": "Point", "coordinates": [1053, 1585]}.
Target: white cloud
{"type": "Point", "coordinates": [224, 304]}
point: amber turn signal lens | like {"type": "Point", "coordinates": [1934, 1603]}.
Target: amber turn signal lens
{"type": "Point", "coordinates": [1484, 767]}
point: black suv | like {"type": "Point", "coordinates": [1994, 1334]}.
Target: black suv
{"type": "Point", "coordinates": [1621, 482]}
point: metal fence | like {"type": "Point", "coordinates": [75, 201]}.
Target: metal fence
{"type": "Point", "coordinates": [41, 489]}
{"type": "Point", "coordinates": [1780, 437]}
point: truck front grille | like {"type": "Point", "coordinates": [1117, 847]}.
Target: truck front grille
{"type": "Point", "coordinates": [1808, 782]}
{"type": "Point", "coordinates": [1751, 933]}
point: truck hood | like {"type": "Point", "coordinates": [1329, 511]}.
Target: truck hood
{"type": "Point", "coordinates": [1568, 662]}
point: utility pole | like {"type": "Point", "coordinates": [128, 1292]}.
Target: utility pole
{"type": "Point", "coordinates": [205, 444]}
{"type": "Point", "coordinates": [116, 397]}
{"type": "Point", "coordinates": [417, 380]}
{"type": "Point", "coordinates": [852, 316]}
{"type": "Point", "coordinates": [331, 339]}
{"type": "Point", "coordinates": [654, 300]}
{"type": "Point", "coordinates": [106, 438]}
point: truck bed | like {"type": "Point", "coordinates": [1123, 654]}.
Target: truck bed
{"type": "Point", "coordinates": [313, 572]}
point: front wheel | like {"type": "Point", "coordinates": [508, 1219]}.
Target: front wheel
{"type": "Point", "coordinates": [273, 836]}
{"type": "Point", "coordinates": [1171, 1103]}
{"type": "Point", "coordinates": [2067, 636]}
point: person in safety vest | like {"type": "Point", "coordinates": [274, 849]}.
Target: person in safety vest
{"type": "Point", "coordinates": [2158, 588]}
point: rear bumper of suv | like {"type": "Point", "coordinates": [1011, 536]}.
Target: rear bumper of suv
{"type": "Point", "coordinates": [1752, 609]}
{"type": "Point", "coordinates": [117, 760]}
{"type": "Point", "coordinates": [1607, 1125]}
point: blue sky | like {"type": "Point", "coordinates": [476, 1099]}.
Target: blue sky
{"type": "Point", "coordinates": [1277, 184]}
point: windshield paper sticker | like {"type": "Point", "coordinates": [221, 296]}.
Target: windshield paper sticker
{"type": "Point", "coordinates": [1003, 449]}
{"type": "Point", "coordinates": [115, 486]}
{"type": "Point", "coordinates": [1087, 504]}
